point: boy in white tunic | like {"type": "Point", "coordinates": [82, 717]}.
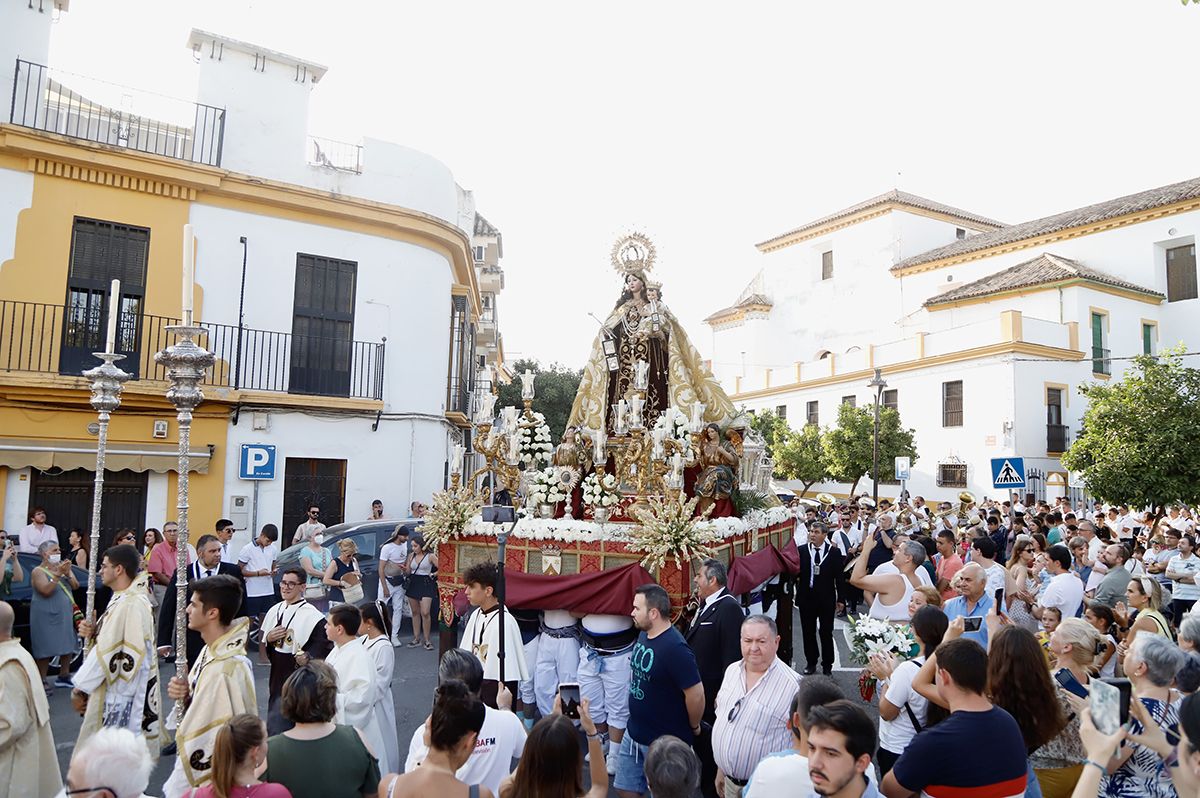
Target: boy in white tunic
{"type": "Point", "coordinates": [481, 636]}
{"type": "Point", "coordinates": [355, 675]}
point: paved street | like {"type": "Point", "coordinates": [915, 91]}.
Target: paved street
{"type": "Point", "coordinates": [412, 688]}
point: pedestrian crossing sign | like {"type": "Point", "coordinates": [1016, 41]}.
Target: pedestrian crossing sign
{"type": "Point", "coordinates": [1008, 472]}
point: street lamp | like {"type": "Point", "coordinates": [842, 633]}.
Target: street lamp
{"type": "Point", "coordinates": [878, 383]}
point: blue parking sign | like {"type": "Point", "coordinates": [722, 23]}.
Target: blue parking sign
{"type": "Point", "coordinates": [257, 461]}
{"type": "Point", "coordinates": [1008, 472]}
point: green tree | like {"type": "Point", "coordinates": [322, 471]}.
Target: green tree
{"type": "Point", "coordinates": [1140, 442]}
{"type": "Point", "coordinates": [773, 429]}
{"type": "Point", "coordinates": [554, 390]}
{"type": "Point", "coordinates": [801, 456]}
{"type": "Point", "coordinates": [849, 446]}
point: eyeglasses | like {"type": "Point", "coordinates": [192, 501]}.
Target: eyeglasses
{"type": "Point", "coordinates": [314, 512]}
{"type": "Point", "coordinates": [84, 790]}
{"type": "Point", "coordinates": [289, 583]}
{"type": "Point", "coordinates": [735, 709]}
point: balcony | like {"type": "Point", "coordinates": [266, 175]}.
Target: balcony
{"type": "Point", "coordinates": [1100, 361]}
{"type": "Point", "coordinates": [341, 156]}
{"type": "Point", "coordinates": [57, 339]}
{"type": "Point", "coordinates": [1056, 438]}
{"type": "Point", "coordinates": [134, 119]}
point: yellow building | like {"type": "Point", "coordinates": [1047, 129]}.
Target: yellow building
{"type": "Point", "coordinates": [340, 299]}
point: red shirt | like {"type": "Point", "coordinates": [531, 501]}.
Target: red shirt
{"type": "Point", "coordinates": [163, 559]}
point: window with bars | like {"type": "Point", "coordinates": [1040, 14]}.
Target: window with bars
{"type": "Point", "coordinates": [850, 400]}
{"type": "Point", "coordinates": [322, 325]}
{"type": "Point", "coordinates": [100, 253]}
{"type": "Point", "coordinates": [811, 413]}
{"type": "Point", "coordinates": [1181, 273]}
{"type": "Point", "coordinates": [462, 345]}
{"type": "Point", "coordinates": [827, 265]}
{"type": "Point", "coordinates": [952, 475]}
{"type": "Point", "coordinates": [891, 398]}
{"type": "Point", "coordinates": [952, 404]}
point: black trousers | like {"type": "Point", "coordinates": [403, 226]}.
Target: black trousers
{"type": "Point", "coordinates": [816, 619]}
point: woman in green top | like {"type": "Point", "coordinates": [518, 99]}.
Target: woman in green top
{"type": "Point", "coordinates": [317, 758]}
{"type": "Point", "coordinates": [1140, 613]}
{"type": "Point", "coordinates": [10, 566]}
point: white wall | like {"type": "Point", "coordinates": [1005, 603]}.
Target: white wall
{"type": "Point", "coordinates": [25, 34]}
{"type": "Point", "coordinates": [16, 499]}
{"type": "Point", "coordinates": [402, 293]}
{"type": "Point", "coordinates": [16, 194]}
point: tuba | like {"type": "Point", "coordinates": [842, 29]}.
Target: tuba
{"type": "Point", "coordinates": [966, 502]}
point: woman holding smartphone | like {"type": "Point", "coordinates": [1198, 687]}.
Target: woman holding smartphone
{"type": "Point", "coordinates": [10, 565]}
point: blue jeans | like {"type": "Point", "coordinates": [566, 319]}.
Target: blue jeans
{"type": "Point", "coordinates": [631, 766]}
{"type": "Point", "coordinates": [1032, 788]}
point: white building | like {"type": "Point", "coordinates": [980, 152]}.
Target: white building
{"type": "Point", "coordinates": [337, 283]}
{"type": "Point", "coordinates": [984, 331]}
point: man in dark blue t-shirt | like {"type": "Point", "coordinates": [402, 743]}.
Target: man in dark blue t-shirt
{"type": "Point", "coordinates": [944, 759]}
{"type": "Point", "coordinates": [666, 696]}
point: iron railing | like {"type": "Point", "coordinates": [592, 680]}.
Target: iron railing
{"type": "Point", "coordinates": [34, 337]}
{"type": "Point", "coordinates": [1101, 364]}
{"type": "Point", "coordinates": [340, 155]}
{"type": "Point", "coordinates": [41, 100]}
{"type": "Point", "coordinates": [1056, 438]}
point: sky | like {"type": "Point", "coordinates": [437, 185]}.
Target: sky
{"type": "Point", "coordinates": [708, 126]}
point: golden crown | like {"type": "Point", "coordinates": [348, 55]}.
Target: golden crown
{"type": "Point", "coordinates": [633, 253]}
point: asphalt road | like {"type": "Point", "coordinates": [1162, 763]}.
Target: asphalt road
{"type": "Point", "coordinates": [412, 687]}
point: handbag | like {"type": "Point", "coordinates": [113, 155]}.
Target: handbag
{"type": "Point", "coordinates": [320, 589]}
{"type": "Point", "coordinates": [353, 592]}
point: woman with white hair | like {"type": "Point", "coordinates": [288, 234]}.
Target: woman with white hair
{"type": "Point", "coordinates": [113, 762]}
{"type": "Point", "coordinates": [1136, 771]}
{"type": "Point", "coordinates": [51, 614]}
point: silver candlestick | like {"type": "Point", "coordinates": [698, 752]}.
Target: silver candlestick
{"type": "Point", "coordinates": [186, 362]}
{"type": "Point", "coordinates": [107, 380]}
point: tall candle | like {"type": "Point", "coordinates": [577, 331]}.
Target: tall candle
{"type": "Point", "coordinates": [514, 447]}
{"type": "Point", "coordinates": [189, 272]}
{"type": "Point", "coordinates": [456, 459]}
{"type": "Point", "coordinates": [114, 310]}
{"type": "Point", "coordinates": [598, 441]}
{"type": "Point", "coordinates": [676, 463]}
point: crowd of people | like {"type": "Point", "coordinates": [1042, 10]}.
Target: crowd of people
{"type": "Point", "coordinates": [1016, 612]}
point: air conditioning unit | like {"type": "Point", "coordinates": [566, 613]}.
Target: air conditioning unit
{"type": "Point", "coordinates": [160, 428]}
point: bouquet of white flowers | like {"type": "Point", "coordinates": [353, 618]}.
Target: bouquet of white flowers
{"type": "Point", "coordinates": [545, 488]}
{"type": "Point", "coordinates": [868, 636]}
{"type": "Point", "coordinates": [536, 448]}
{"type": "Point", "coordinates": [600, 491]}
{"type": "Point", "coordinates": [677, 431]}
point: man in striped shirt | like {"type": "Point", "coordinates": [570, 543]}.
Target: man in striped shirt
{"type": "Point", "coordinates": [752, 707]}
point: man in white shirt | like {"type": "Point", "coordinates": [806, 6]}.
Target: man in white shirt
{"type": "Point", "coordinates": [257, 561]}
{"type": "Point", "coordinates": [36, 532]}
{"type": "Point", "coordinates": [786, 772]}
{"type": "Point", "coordinates": [1182, 570]}
{"type": "Point", "coordinates": [311, 526]}
{"type": "Point", "coordinates": [501, 740]}
{"type": "Point", "coordinates": [1179, 522]}
{"type": "Point", "coordinates": [224, 533]}
{"type": "Point", "coordinates": [983, 552]}
{"type": "Point", "coordinates": [392, 559]}
{"type": "Point", "coordinates": [1065, 590]}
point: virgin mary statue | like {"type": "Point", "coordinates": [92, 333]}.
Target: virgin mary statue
{"type": "Point", "coordinates": [641, 328]}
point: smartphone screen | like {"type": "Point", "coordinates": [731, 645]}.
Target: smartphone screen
{"type": "Point", "coordinates": [999, 599]}
{"type": "Point", "coordinates": [1108, 700]}
{"type": "Point", "coordinates": [568, 694]}
{"type": "Point", "coordinates": [972, 623]}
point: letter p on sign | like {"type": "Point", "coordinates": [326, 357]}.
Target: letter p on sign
{"type": "Point", "coordinates": [257, 461]}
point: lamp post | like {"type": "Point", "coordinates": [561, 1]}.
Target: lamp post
{"type": "Point", "coordinates": [878, 383]}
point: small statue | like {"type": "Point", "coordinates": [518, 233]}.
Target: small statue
{"type": "Point", "coordinates": [527, 385]}
{"type": "Point", "coordinates": [571, 452]}
{"type": "Point", "coordinates": [718, 462]}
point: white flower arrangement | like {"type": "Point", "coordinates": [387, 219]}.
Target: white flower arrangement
{"type": "Point", "coordinates": [677, 431]}
{"type": "Point", "coordinates": [575, 530]}
{"type": "Point", "coordinates": [869, 636]}
{"type": "Point", "coordinates": [546, 488]}
{"type": "Point", "coordinates": [600, 492]}
{"type": "Point", "coordinates": [536, 448]}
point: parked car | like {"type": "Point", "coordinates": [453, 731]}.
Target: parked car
{"type": "Point", "coordinates": [368, 536]}
{"type": "Point", "coordinates": [22, 595]}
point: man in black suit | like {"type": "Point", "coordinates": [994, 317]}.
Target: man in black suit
{"type": "Point", "coordinates": [715, 637]}
{"type": "Point", "coordinates": [821, 566]}
{"type": "Point", "coordinates": [208, 563]}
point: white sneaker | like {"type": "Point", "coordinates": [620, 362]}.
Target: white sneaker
{"type": "Point", "coordinates": [610, 763]}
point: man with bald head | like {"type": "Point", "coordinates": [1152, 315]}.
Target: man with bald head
{"type": "Point", "coordinates": [28, 760]}
{"type": "Point", "coordinates": [974, 601]}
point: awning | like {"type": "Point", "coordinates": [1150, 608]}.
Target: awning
{"type": "Point", "coordinates": [45, 453]}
